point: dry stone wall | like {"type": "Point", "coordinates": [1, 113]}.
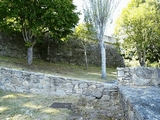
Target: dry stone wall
{"type": "Point", "coordinates": [122, 101]}
{"type": "Point", "coordinates": [141, 76]}
{"type": "Point", "coordinates": [101, 97]}
{"type": "Point", "coordinates": [139, 91]}
{"type": "Point", "coordinates": [140, 102]}
{"type": "Point", "coordinates": [12, 46]}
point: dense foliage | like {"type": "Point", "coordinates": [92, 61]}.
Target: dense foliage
{"type": "Point", "coordinates": [138, 31]}
{"type": "Point", "coordinates": [33, 18]}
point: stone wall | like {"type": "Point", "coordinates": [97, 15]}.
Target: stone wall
{"type": "Point", "coordinates": [12, 46]}
{"type": "Point", "coordinates": [103, 97]}
{"type": "Point", "coordinates": [140, 102]}
{"type": "Point", "coordinates": [103, 100]}
{"type": "Point", "coordinates": [139, 92]}
{"type": "Point", "coordinates": [71, 51]}
{"type": "Point", "coordinates": [144, 76]}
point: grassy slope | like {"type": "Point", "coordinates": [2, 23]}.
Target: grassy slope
{"type": "Point", "coordinates": [67, 70]}
{"type": "Point", "coordinates": [19, 106]}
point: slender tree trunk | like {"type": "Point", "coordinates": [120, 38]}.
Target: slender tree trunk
{"type": "Point", "coordinates": [103, 59]}
{"type": "Point", "coordinates": [48, 51]}
{"type": "Point", "coordinates": [142, 57]}
{"type": "Point", "coordinates": [103, 52]}
{"type": "Point", "coordinates": [30, 55]}
{"type": "Point", "coordinates": [85, 55]}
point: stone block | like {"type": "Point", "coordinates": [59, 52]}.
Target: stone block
{"type": "Point", "coordinates": [77, 90]}
{"type": "Point", "coordinates": [106, 92]}
{"type": "Point", "coordinates": [105, 98]}
{"type": "Point", "coordinates": [17, 73]}
{"type": "Point", "coordinates": [35, 80]}
{"type": "Point", "coordinates": [120, 73]}
{"type": "Point", "coordinates": [26, 78]}
{"type": "Point", "coordinates": [83, 85]}
{"type": "Point", "coordinates": [131, 115]}
{"type": "Point", "coordinates": [26, 73]}
{"type": "Point", "coordinates": [60, 93]}
{"type": "Point", "coordinates": [92, 86]}
{"type": "Point", "coordinates": [75, 82]}
{"type": "Point", "coordinates": [68, 87]}
{"type": "Point", "coordinates": [15, 80]}
{"type": "Point", "coordinates": [158, 70]}
{"type": "Point", "coordinates": [25, 83]}
{"type": "Point", "coordinates": [144, 72]}
{"type": "Point", "coordinates": [141, 82]}
{"type": "Point", "coordinates": [86, 92]}
{"type": "Point", "coordinates": [40, 76]}
{"type": "Point", "coordinates": [97, 93]}
{"type": "Point", "coordinates": [156, 82]}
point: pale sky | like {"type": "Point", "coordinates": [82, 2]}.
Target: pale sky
{"type": "Point", "coordinates": [109, 31]}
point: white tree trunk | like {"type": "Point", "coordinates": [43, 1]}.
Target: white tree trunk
{"type": "Point", "coordinates": [103, 59]}
{"type": "Point", "coordinates": [86, 60]}
{"type": "Point", "coordinates": [30, 55]}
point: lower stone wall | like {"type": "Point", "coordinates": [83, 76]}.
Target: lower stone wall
{"type": "Point", "coordinates": [113, 101]}
{"type": "Point", "coordinates": [101, 96]}
{"type": "Point", "coordinates": [140, 102]}
{"type": "Point", "coordinates": [139, 92]}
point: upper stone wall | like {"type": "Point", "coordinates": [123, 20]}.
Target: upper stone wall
{"type": "Point", "coordinates": [71, 51]}
{"type": "Point", "coordinates": [12, 46]}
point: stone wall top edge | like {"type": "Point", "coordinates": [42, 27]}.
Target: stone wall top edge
{"type": "Point", "coordinates": [120, 68]}
{"type": "Point", "coordinates": [55, 76]}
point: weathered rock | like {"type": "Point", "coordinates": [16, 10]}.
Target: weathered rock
{"type": "Point", "coordinates": [140, 103]}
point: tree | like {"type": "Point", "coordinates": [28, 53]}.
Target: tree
{"type": "Point", "coordinates": [138, 27]}
{"type": "Point", "coordinates": [85, 33]}
{"type": "Point", "coordinates": [98, 13]}
{"type": "Point", "coordinates": [35, 17]}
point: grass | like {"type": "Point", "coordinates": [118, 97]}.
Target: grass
{"type": "Point", "coordinates": [18, 106]}
{"type": "Point", "coordinates": [59, 69]}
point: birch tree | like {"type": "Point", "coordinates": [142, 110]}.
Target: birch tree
{"type": "Point", "coordinates": [98, 13]}
{"type": "Point", "coordinates": [85, 33]}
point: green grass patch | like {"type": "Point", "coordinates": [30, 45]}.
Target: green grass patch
{"type": "Point", "coordinates": [60, 69]}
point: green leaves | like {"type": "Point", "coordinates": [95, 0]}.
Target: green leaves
{"type": "Point", "coordinates": [85, 32]}
{"type": "Point", "coordinates": [57, 16]}
{"type": "Point", "coordinates": [138, 26]}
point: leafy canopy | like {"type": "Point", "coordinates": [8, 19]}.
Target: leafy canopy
{"type": "Point", "coordinates": [33, 17]}
{"type": "Point", "coordinates": [138, 27]}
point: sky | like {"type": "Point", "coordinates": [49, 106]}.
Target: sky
{"type": "Point", "coordinates": [110, 29]}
